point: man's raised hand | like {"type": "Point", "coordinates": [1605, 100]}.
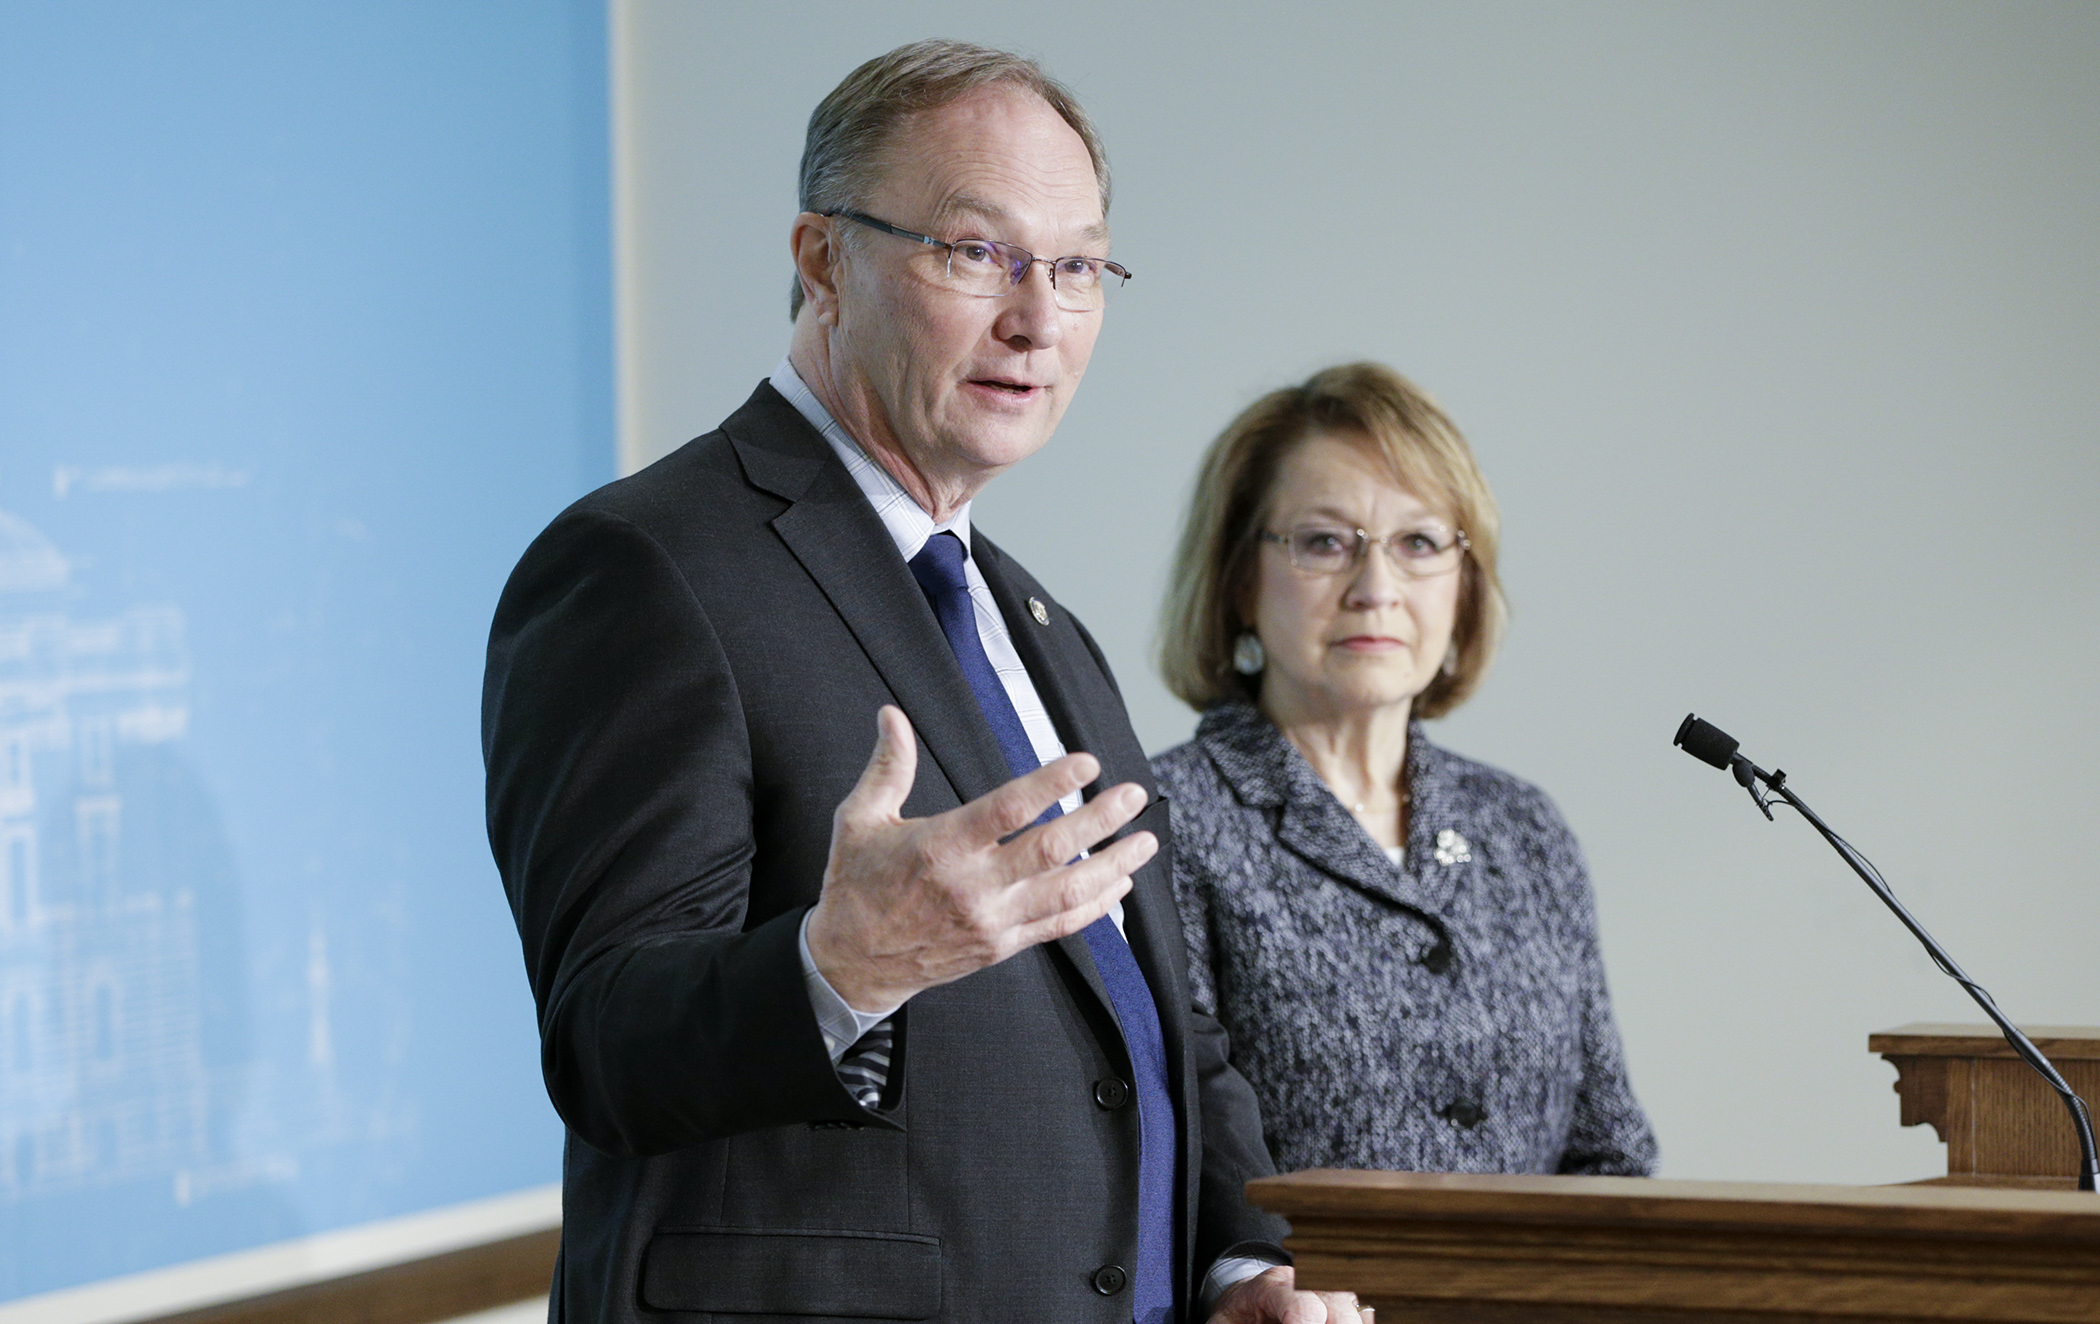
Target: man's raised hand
{"type": "Point", "coordinates": [909, 903]}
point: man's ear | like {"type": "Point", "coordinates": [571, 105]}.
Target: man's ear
{"type": "Point", "coordinates": [814, 242]}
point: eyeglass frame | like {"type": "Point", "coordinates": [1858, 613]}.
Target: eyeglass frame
{"type": "Point", "coordinates": [1362, 550]}
{"type": "Point", "coordinates": [1014, 274]}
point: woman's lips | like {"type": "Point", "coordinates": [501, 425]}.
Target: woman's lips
{"type": "Point", "coordinates": [1371, 643]}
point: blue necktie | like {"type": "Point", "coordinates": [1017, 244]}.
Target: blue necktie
{"type": "Point", "coordinates": [939, 569]}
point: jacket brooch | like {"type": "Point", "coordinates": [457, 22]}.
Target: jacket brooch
{"type": "Point", "coordinates": [1453, 848]}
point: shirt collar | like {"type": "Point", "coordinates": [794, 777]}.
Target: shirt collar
{"type": "Point", "coordinates": [907, 521]}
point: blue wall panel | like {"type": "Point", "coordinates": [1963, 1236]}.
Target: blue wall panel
{"type": "Point", "coordinates": [304, 332]}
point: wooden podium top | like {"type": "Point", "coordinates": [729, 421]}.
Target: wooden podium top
{"type": "Point", "coordinates": [2002, 1123]}
{"type": "Point", "coordinates": [1646, 1201]}
{"type": "Point", "coordinates": [1562, 1250]}
{"type": "Point", "coordinates": [2059, 1043]}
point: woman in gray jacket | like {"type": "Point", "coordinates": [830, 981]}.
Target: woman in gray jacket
{"type": "Point", "coordinates": [1402, 942]}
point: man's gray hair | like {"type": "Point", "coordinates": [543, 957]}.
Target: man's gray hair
{"type": "Point", "coordinates": [849, 132]}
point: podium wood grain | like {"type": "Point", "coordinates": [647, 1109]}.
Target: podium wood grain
{"type": "Point", "coordinates": [1557, 1250]}
{"type": "Point", "coordinates": [2001, 1121]}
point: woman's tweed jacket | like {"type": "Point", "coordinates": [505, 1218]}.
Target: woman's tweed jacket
{"type": "Point", "coordinates": [1444, 1015]}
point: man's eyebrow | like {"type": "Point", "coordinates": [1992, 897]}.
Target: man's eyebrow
{"type": "Point", "coordinates": [960, 207]}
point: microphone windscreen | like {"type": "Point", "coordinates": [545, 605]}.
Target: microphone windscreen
{"type": "Point", "coordinates": [1705, 741]}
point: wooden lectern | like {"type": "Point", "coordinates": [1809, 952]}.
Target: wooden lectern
{"type": "Point", "coordinates": [1462, 1249]}
{"type": "Point", "coordinates": [2002, 1123]}
{"type": "Point", "coordinates": [1975, 1245]}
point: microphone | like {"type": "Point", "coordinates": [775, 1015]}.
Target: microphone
{"type": "Point", "coordinates": [1706, 742]}
{"type": "Point", "coordinates": [1710, 744]}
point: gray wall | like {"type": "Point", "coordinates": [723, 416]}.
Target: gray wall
{"type": "Point", "coordinates": [1774, 328]}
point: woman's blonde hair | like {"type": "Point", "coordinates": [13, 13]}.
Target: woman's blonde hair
{"type": "Point", "coordinates": [1213, 569]}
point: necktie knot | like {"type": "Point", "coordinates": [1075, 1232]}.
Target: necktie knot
{"type": "Point", "coordinates": [939, 565]}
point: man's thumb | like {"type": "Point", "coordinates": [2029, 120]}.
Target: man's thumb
{"type": "Point", "coordinates": [887, 779]}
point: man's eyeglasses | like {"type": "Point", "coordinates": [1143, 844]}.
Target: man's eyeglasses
{"type": "Point", "coordinates": [1420, 553]}
{"type": "Point", "coordinates": [989, 270]}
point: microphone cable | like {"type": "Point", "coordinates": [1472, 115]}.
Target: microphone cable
{"type": "Point", "coordinates": [1709, 744]}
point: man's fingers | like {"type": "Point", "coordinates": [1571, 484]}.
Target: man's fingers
{"type": "Point", "coordinates": [1065, 900]}
{"type": "Point", "coordinates": [1007, 810]}
{"type": "Point", "coordinates": [1048, 845]}
{"type": "Point", "coordinates": [1064, 922]}
{"type": "Point", "coordinates": [886, 781]}
{"type": "Point", "coordinates": [1313, 1308]}
{"type": "Point", "coordinates": [1095, 821]}
{"type": "Point", "coordinates": [1334, 1308]}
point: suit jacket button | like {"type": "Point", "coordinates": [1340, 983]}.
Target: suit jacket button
{"type": "Point", "coordinates": [1110, 1279]}
{"type": "Point", "coordinates": [1463, 1113]}
{"type": "Point", "coordinates": [1111, 1094]}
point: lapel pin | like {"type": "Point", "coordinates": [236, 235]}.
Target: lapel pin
{"type": "Point", "coordinates": [1039, 611]}
{"type": "Point", "coordinates": [1452, 848]}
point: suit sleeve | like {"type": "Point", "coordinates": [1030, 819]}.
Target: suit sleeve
{"type": "Point", "coordinates": [1228, 1115]}
{"type": "Point", "coordinates": [1233, 1155]}
{"type": "Point", "coordinates": [620, 815]}
{"type": "Point", "coordinates": [1609, 1135]}
{"type": "Point", "coordinates": [1234, 1152]}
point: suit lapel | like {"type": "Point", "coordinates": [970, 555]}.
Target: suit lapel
{"type": "Point", "coordinates": [1082, 701]}
{"type": "Point", "coordinates": [839, 539]}
{"type": "Point", "coordinates": [1087, 712]}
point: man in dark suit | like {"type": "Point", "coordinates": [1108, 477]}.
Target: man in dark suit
{"type": "Point", "coordinates": [894, 1037]}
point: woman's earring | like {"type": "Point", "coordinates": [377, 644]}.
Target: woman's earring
{"type": "Point", "coordinates": [1450, 667]}
{"type": "Point", "coordinates": [1248, 656]}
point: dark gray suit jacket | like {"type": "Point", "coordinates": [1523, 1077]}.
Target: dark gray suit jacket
{"type": "Point", "coordinates": [682, 683]}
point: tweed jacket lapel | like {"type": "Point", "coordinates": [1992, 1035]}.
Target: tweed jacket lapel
{"type": "Point", "coordinates": [1440, 860]}
{"type": "Point", "coordinates": [839, 539]}
{"type": "Point", "coordinates": [1266, 770]}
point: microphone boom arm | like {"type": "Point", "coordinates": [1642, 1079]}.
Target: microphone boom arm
{"type": "Point", "coordinates": [1707, 743]}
